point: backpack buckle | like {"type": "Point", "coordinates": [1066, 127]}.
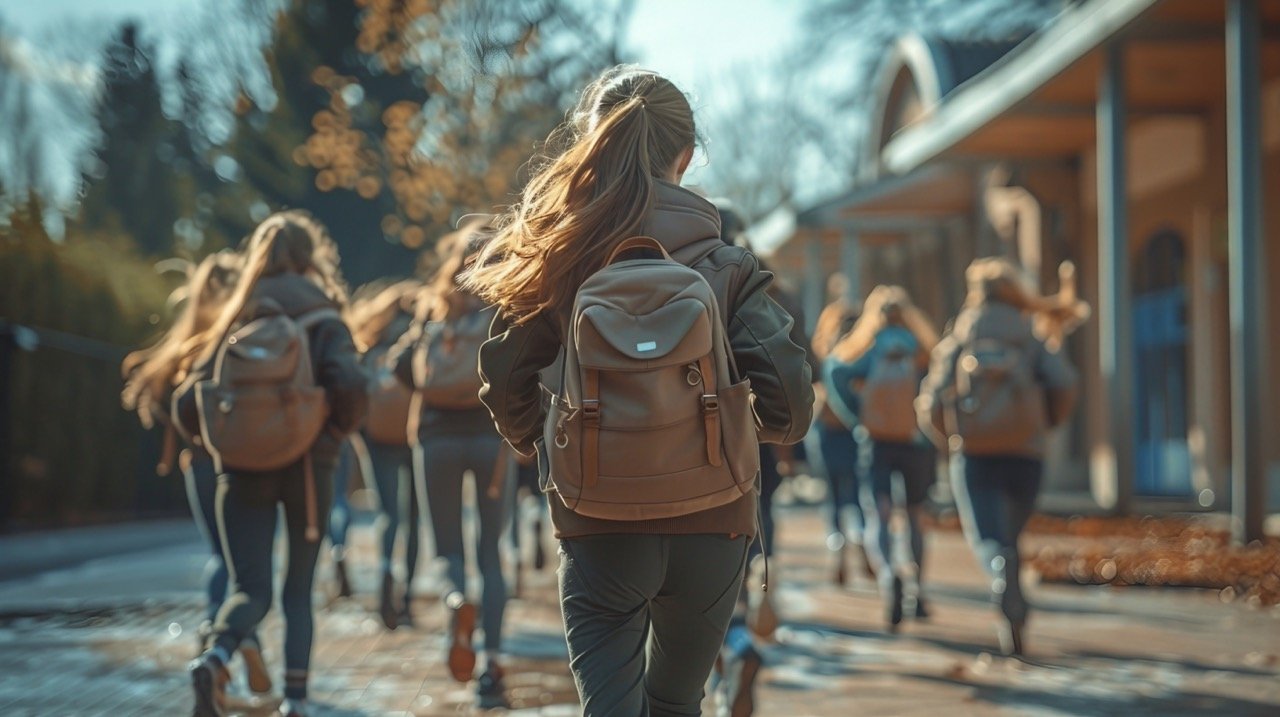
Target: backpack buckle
{"type": "Point", "coordinates": [591, 410]}
{"type": "Point", "coordinates": [710, 402]}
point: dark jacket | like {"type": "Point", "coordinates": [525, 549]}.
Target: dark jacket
{"type": "Point", "coordinates": [759, 335]}
{"type": "Point", "coordinates": [334, 358]}
{"type": "Point", "coordinates": [1000, 321]}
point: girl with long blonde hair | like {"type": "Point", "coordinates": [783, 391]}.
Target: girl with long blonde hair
{"type": "Point", "coordinates": [150, 377]}
{"type": "Point", "coordinates": [457, 438]}
{"type": "Point", "coordinates": [874, 375]}
{"type": "Point", "coordinates": [290, 266]}
{"type": "Point", "coordinates": [1008, 323]}
{"type": "Point", "coordinates": [612, 172]}
{"type": "Point", "coordinates": [836, 447]}
{"type": "Point", "coordinates": [378, 316]}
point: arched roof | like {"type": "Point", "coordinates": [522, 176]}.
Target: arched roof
{"type": "Point", "coordinates": [914, 78]}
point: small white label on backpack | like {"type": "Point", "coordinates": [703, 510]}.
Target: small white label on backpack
{"type": "Point", "coordinates": [647, 346]}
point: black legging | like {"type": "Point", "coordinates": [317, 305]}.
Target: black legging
{"type": "Point", "coordinates": [247, 521]}
{"type": "Point", "coordinates": [995, 496]}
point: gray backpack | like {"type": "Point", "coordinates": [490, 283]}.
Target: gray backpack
{"type": "Point", "coordinates": [997, 407]}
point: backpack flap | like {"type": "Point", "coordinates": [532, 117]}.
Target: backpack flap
{"type": "Point", "coordinates": [676, 333]}
{"type": "Point", "coordinates": [261, 409]}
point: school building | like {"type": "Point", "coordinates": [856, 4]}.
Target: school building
{"type": "Point", "coordinates": [1139, 139]}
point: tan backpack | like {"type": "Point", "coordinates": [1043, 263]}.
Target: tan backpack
{"type": "Point", "coordinates": [996, 406]}
{"type": "Point", "coordinates": [446, 363]}
{"type": "Point", "coordinates": [888, 395]}
{"type": "Point", "coordinates": [650, 422]}
{"type": "Point", "coordinates": [387, 421]}
{"type": "Point", "coordinates": [261, 409]}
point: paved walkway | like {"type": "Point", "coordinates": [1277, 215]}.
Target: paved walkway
{"type": "Point", "coordinates": [111, 636]}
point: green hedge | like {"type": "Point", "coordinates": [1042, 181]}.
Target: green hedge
{"type": "Point", "coordinates": [76, 457]}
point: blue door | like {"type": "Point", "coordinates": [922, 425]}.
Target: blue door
{"type": "Point", "coordinates": [1160, 335]}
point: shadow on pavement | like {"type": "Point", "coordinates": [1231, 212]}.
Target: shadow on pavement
{"type": "Point", "coordinates": [1127, 704]}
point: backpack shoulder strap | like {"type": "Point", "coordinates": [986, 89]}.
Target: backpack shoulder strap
{"type": "Point", "coordinates": [636, 242]}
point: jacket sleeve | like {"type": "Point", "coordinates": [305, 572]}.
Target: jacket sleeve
{"type": "Point", "coordinates": [760, 338]}
{"type": "Point", "coordinates": [939, 380]}
{"type": "Point", "coordinates": [509, 364]}
{"type": "Point", "coordinates": [1060, 382]}
{"type": "Point", "coordinates": [339, 373]}
{"type": "Point", "coordinates": [838, 377]}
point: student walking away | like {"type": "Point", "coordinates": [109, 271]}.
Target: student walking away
{"type": "Point", "coordinates": [837, 447]}
{"type": "Point", "coordinates": [275, 389]}
{"type": "Point", "coordinates": [993, 392]}
{"type": "Point", "coordinates": [340, 519]}
{"type": "Point", "coordinates": [379, 316]}
{"type": "Point", "coordinates": [874, 375]}
{"type": "Point", "coordinates": [150, 376]}
{"type": "Point", "coordinates": [650, 443]}
{"type": "Point", "coordinates": [457, 438]}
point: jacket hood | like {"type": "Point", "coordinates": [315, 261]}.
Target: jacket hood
{"type": "Point", "coordinates": [294, 293]}
{"type": "Point", "coordinates": [680, 218]}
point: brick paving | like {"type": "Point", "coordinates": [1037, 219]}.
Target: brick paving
{"type": "Point", "coordinates": [1094, 651]}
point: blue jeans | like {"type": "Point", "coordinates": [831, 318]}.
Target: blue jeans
{"type": "Point", "coordinates": [840, 463]}
{"type": "Point", "coordinates": [398, 501]}
{"type": "Point", "coordinates": [340, 514]}
{"type": "Point", "coordinates": [996, 496]}
{"type": "Point", "coordinates": [202, 491]}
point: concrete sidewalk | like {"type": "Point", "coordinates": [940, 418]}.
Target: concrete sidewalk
{"type": "Point", "coordinates": [1094, 651]}
{"type": "Point", "coordinates": [45, 551]}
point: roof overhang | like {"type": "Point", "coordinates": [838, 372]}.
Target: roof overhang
{"type": "Point", "coordinates": [1012, 80]}
{"type": "Point", "coordinates": [925, 196]}
{"type": "Point", "coordinates": [1039, 101]}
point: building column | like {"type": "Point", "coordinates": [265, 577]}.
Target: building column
{"type": "Point", "coordinates": [1115, 350]}
{"type": "Point", "coordinates": [1247, 266]}
{"type": "Point", "coordinates": [815, 281]}
{"type": "Point", "coordinates": [851, 263]}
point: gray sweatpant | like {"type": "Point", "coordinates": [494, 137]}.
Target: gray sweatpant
{"type": "Point", "coordinates": [645, 616]}
{"type": "Point", "coordinates": [446, 460]}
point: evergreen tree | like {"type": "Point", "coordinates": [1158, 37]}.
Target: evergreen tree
{"type": "Point", "coordinates": [130, 187]}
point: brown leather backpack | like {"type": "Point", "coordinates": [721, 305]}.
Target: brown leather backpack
{"type": "Point", "coordinates": [650, 422]}
{"type": "Point", "coordinates": [446, 363]}
{"type": "Point", "coordinates": [261, 409]}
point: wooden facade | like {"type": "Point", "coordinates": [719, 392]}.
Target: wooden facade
{"type": "Point", "coordinates": [1140, 139]}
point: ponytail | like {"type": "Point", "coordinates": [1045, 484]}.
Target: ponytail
{"type": "Point", "coordinates": [290, 241]}
{"type": "Point", "coordinates": [631, 127]}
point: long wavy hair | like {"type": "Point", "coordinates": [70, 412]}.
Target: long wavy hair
{"type": "Point", "coordinates": [448, 293]}
{"type": "Point", "coordinates": [885, 306]}
{"type": "Point", "coordinates": [999, 280]}
{"type": "Point", "coordinates": [631, 127]}
{"type": "Point", "coordinates": [149, 373]}
{"type": "Point", "coordinates": [374, 307]}
{"type": "Point", "coordinates": [288, 242]}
